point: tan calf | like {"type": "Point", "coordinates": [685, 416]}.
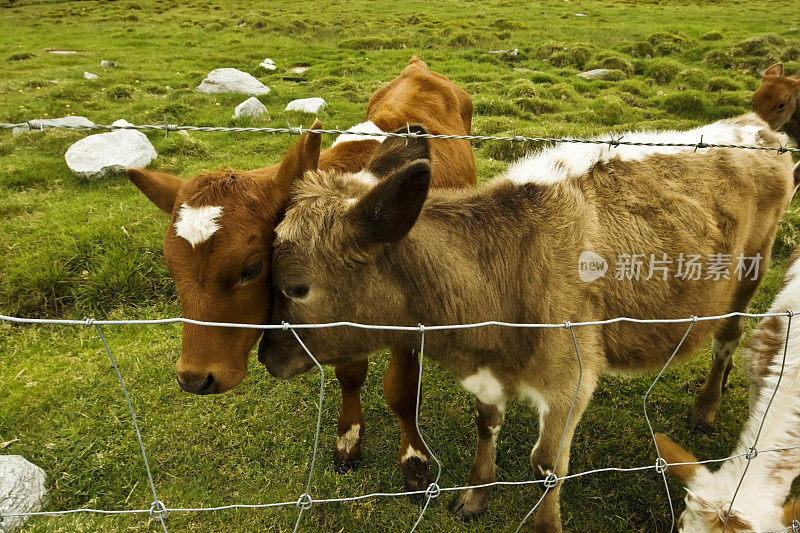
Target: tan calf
{"type": "Point", "coordinates": [219, 246]}
{"type": "Point", "coordinates": [777, 101]}
{"type": "Point", "coordinates": [385, 250]}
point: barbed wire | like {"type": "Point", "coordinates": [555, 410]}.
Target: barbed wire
{"type": "Point", "coordinates": [159, 511]}
{"type": "Point", "coordinates": [613, 141]}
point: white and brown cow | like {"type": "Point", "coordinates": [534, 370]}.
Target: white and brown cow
{"type": "Point", "coordinates": [219, 247]}
{"type": "Point", "coordinates": [386, 250]}
{"type": "Point", "coordinates": [774, 424]}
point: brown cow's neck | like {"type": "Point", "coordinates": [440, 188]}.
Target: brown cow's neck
{"type": "Point", "coordinates": [348, 156]}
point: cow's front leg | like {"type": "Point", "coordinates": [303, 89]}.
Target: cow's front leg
{"type": "Point", "coordinates": [557, 425]}
{"type": "Point", "coordinates": [472, 502]}
{"type": "Point", "coordinates": [350, 429]}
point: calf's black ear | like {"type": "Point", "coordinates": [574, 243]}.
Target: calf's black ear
{"type": "Point", "coordinates": [396, 152]}
{"type": "Point", "coordinates": [388, 212]}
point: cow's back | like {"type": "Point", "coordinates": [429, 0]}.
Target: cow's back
{"type": "Point", "coordinates": [430, 99]}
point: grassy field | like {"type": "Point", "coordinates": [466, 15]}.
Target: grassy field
{"type": "Point", "coordinates": [72, 248]}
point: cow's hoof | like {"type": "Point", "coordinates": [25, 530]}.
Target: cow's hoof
{"type": "Point", "coordinates": [343, 467]}
{"type": "Point", "coordinates": [416, 478]}
{"type": "Point", "coordinates": [700, 423]}
{"type": "Point", "coordinates": [470, 504]}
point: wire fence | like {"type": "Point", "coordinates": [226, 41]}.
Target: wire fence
{"type": "Point", "coordinates": [159, 511]}
{"type": "Point", "coordinates": [613, 140]}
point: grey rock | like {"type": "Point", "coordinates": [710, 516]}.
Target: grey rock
{"type": "Point", "coordinates": [22, 489]}
{"type": "Point", "coordinates": [252, 107]}
{"type": "Point", "coordinates": [512, 52]}
{"type": "Point", "coordinates": [49, 123]}
{"type": "Point", "coordinates": [63, 52]}
{"type": "Point", "coordinates": [596, 74]}
{"type": "Point", "coordinates": [231, 80]}
{"type": "Point", "coordinates": [107, 64]}
{"type": "Point", "coordinates": [297, 70]}
{"type": "Point", "coordinates": [90, 76]}
{"type": "Point", "coordinates": [307, 105]}
{"type": "Point", "coordinates": [268, 64]}
{"type": "Point", "coordinates": [97, 156]}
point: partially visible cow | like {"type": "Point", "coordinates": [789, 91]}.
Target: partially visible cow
{"type": "Point", "coordinates": [760, 503]}
{"type": "Point", "coordinates": [218, 248]}
{"type": "Point", "coordinates": [385, 250]}
{"type": "Point", "coordinates": [777, 101]}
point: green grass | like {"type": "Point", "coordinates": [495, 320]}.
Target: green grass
{"type": "Point", "coordinates": [72, 248]}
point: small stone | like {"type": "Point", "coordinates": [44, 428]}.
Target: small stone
{"type": "Point", "coordinates": [231, 80]}
{"type": "Point", "coordinates": [90, 76]}
{"type": "Point", "coordinates": [297, 70]}
{"type": "Point", "coordinates": [107, 64]}
{"type": "Point", "coordinates": [54, 81]}
{"type": "Point", "coordinates": [307, 105]}
{"type": "Point", "coordinates": [99, 155]}
{"type": "Point", "coordinates": [63, 52]}
{"type": "Point", "coordinates": [268, 64]}
{"type": "Point", "coordinates": [660, 93]}
{"type": "Point", "coordinates": [580, 15]}
{"type": "Point", "coordinates": [49, 123]}
{"type": "Point", "coordinates": [22, 489]}
{"type": "Point", "coordinates": [252, 107]}
{"type": "Point", "coordinates": [521, 69]}
{"type": "Point", "coordinates": [596, 74]}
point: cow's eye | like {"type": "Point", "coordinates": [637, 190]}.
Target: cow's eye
{"type": "Point", "coordinates": [295, 290]}
{"type": "Point", "coordinates": [780, 106]}
{"type": "Point", "coordinates": [251, 271]}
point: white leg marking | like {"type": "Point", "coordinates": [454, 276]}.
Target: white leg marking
{"type": "Point", "coordinates": [349, 439]}
{"type": "Point", "coordinates": [411, 452]}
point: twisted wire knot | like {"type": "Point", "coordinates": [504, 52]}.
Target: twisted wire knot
{"type": "Point", "coordinates": [795, 526]}
{"type": "Point", "coordinates": [661, 465]}
{"type": "Point", "coordinates": [88, 322]}
{"type": "Point", "coordinates": [158, 511]}
{"type": "Point", "coordinates": [550, 481]}
{"type": "Point", "coordinates": [285, 325]}
{"type": "Point", "coordinates": [790, 313]}
{"type": "Point", "coordinates": [751, 454]}
{"type": "Point", "coordinates": [433, 491]}
{"type": "Point", "coordinates": [304, 502]}
{"type": "Point", "coordinates": [567, 325]}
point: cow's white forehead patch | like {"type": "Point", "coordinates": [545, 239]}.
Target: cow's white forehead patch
{"type": "Point", "coordinates": [364, 127]}
{"type": "Point", "coordinates": [197, 224]}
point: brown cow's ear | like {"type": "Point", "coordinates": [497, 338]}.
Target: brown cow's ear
{"type": "Point", "coordinates": [389, 210]}
{"type": "Point", "coordinates": [300, 158]}
{"type": "Point", "coordinates": [774, 70]}
{"type": "Point", "coordinates": [159, 187]}
{"type": "Point", "coordinates": [674, 453]}
{"type": "Point", "coordinates": [395, 152]}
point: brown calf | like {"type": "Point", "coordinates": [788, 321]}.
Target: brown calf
{"type": "Point", "coordinates": [389, 251]}
{"type": "Point", "coordinates": [218, 247]}
{"type": "Point", "coordinates": [777, 101]}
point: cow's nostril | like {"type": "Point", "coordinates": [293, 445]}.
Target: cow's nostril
{"type": "Point", "coordinates": [207, 386]}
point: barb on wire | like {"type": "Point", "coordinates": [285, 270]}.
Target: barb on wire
{"type": "Point", "coordinates": [661, 465]}
{"type": "Point", "coordinates": [752, 453]}
{"type": "Point", "coordinates": [613, 142]}
{"type": "Point", "coordinates": [552, 479]}
{"type": "Point", "coordinates": [157, 510]}
{"type": "Point", "coordinates": [304, 502]}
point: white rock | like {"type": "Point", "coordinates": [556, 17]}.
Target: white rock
{"type": "Point", "coordinates": [297, 70]}
{"type": "Point", "coordinates": [63, 52]}
{"type": "Point", "coordinates": [231, 80]}
{"type": "Point", "coordinates": [98, 155]}
{"type": "Point", "coordinates": [90, 76]}
{"type": "Point", "coordinates": [49, 123]}
{"type": "Point", "coordinates": [107, 64]}
{"type": "Point", "coordinates": [268, 64]}
{"type": "Point", "coordinates": [22, 489]}
{"type": "Point", "coordinates": [580, 15]}
{"type": "Point", "coordinates": [596, 74]}
{"type": "Point", "coordinates": [307, 105]}
{"type": "Point", "coordinates": [511, 52]}
{"type": "Point", "coordinates": [252, 107]}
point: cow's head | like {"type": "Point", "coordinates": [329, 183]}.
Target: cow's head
{"type": "Point", "coordinates": [708, 497]}
{"type": "Point", "coordinates": [218, 249]}
{"type": "Point", "coordinates": [331, 254]}
{"type": "Point", "coordinates": [777, 98]}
